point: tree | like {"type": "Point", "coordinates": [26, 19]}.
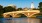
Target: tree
{"type": "Point", "coordinates": [19, 9]}
{"type": "Point", "coordinates": [1, 10]}
{"type": "Point", "coordinates": [8, 9]}
{"type": "Point", "coordinates": [35, 9]}
{"type": "Point", "coordinates": [40, 6]}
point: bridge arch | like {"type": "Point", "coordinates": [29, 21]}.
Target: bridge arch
{"type": "Point", "coordinates": [32, 14]}
{"type": "Point", "coordinates": [8, 16]}
{"type": "Point", "coordinates": [21, 15]}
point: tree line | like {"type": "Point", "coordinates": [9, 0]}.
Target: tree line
{"type": "Point", "coordinates": [10, 8]}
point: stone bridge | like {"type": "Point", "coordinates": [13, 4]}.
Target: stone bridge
{"type": "Point", "coordinates": [28, 13]}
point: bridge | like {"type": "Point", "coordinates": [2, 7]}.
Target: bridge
{"type": "Point", "coordinates": [28, 13]}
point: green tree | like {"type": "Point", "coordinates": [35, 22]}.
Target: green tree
{"type": "Point", "coordinates": [9, 8]}
{"type": "Point", "coordinates": [40, 6]}
{"type": "Point", "coordinates": [19, 9]}
{"type": "Point", "coordinates": [1, 10]}
{"type": "Point", "coordinates": [35, 9]}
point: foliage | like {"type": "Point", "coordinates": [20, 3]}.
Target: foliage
{"type": "Point", "coordinates": [19, 9]}
{"type": "Point", "coordinates": [8, 9]}
{"type": "Point", "coordinates": [34, 9]}
{"type": "Point", "coordinates": [40, 6]}
{"type": "Point", "coordinates": [1, 10]}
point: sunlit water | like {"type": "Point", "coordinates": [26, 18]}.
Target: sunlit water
{"type": "Point", "coordinates": [19, 20]}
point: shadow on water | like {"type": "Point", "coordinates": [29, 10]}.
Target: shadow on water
{"type": "Point", "coordinates": [1, 21]}
{"type": "Point", "coordinates": [39, 17]}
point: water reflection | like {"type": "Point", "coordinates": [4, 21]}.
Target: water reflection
{"type": "Point", "coordinates": [20, 20]}
{"type": "Point", "coordinates": [33, 20]}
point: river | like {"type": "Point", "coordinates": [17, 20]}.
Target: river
{"type": "Point", "coordinates": [19, 20]}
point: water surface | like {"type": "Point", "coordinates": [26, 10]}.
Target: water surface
{"type": "Point", "coordinates": [19, 20]}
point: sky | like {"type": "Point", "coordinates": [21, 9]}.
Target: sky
{"type": "Point", "coordinates": [20, 3]}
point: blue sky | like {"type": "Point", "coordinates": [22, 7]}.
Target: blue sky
{"type": "Point", "coordinates": [20, 3]}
